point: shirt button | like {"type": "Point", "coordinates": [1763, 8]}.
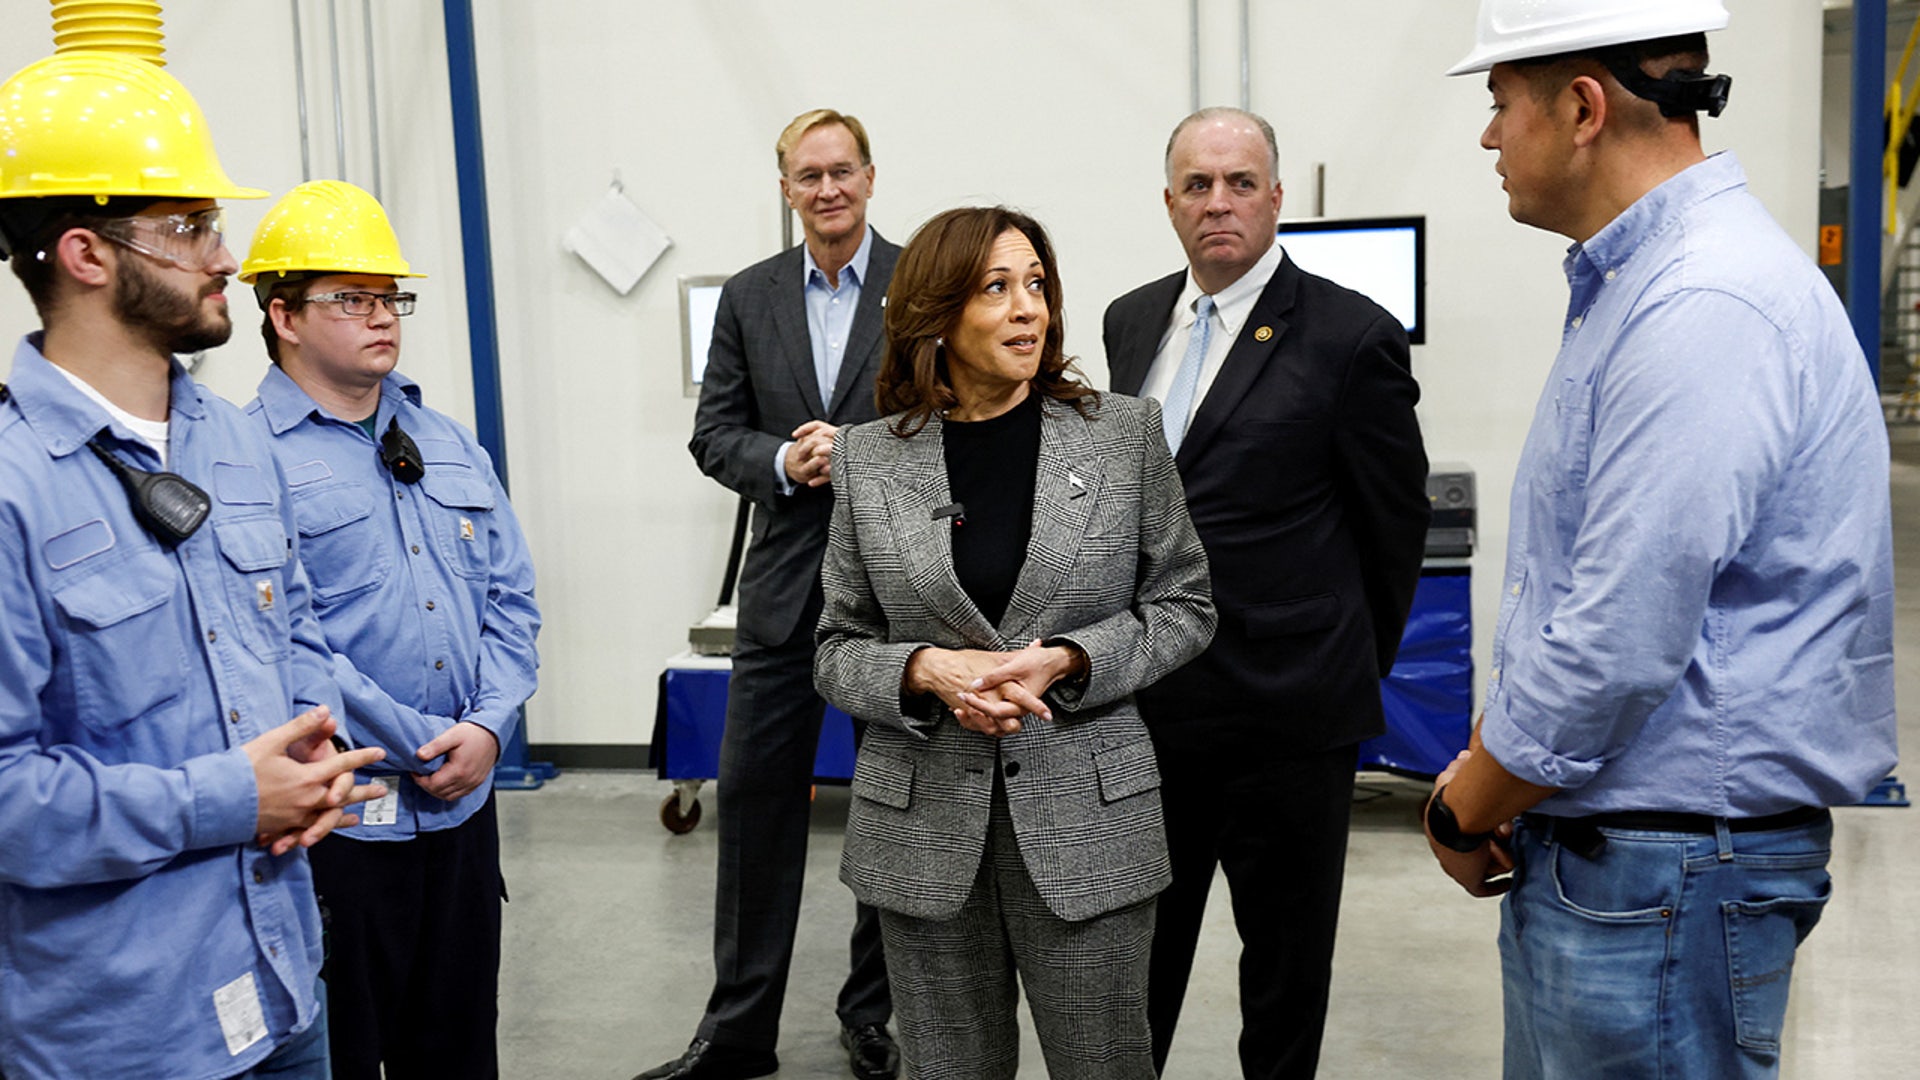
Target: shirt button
{"type": "Point", "coordinates": [400, 495]}
{"type": "Point", "coordinates": [416, 549]}
{"type": "Point", "coordinates": [1496, 673]}
{"type": "Point", "coordinates": [1516, 590]}
{"type": "Point", "coordinates": [1611, 275]}
{"type": "Point", "coordinates": [259, 878]}
{"type": "Point", "coordinates": [1576, 322]}
{"type": "Point", "coordinates": [233, 716]}
{"type": "Point", "coordinates": [438, 664]}
{"type": "Point", "coordinates": [212, 636]}
{"type": "Point", "coordinates": [429, 605]}
{"type": "Point", "coordinates": [1013, 768]}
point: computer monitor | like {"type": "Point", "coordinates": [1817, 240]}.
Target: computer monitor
{"type": "Point", "coordinates": [1383, 258]}
{"type": "Point", "coordinates": [699, 301]}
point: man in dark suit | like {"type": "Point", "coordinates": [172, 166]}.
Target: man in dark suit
{"type": "Point", "coordinates": [796, 342]}
{"type": "Point", "coordinates": [1289, 404]}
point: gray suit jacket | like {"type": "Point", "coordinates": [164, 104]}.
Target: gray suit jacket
{"type": "Point", "coordinates": [1114, 566]}
{"type": "Point", "coordinates": [759, 386]}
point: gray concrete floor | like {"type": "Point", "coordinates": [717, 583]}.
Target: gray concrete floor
{"type": "Point", "coordinates": [608, 936]}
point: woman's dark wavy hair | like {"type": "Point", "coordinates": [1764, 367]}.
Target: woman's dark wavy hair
{"type": "Point", "coordinates": [938, 272]}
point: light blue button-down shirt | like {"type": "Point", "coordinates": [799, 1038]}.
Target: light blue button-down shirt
{"type": "Point", "coordinates": [130, 676]}
{"type": "Point", "coordinates": [1697, 611]}
{"type": "Point", "coordinates": [425, 590]}
{"type": "Point", "coordinates": [829, 320]}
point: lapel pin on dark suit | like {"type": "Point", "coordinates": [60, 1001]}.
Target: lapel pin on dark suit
{"type": "Point", "coordinates": [1265, 333]}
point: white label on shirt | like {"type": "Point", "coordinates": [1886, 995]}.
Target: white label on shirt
{"type": "Point", "coordinates": [384, 810]}
{"type": "Point", "coordinates": [241, 1018]}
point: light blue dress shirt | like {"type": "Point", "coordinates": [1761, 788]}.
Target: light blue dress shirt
{"type": "Point", "coordinates": [131, 892]}
{"type": "Point", "coordinates": [1697, 611]}
{"type": "Point", "coordinates": [425, 590]}
{"type": "Point", "coordinates": [829, 320]}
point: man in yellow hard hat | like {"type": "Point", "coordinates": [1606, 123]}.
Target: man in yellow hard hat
{"type": "Point", "coordinates": [1694, 654]}
{"type": "Point", "coordinates": [155, 632]}
{"type": "Point", "coordinates": [424, 586]}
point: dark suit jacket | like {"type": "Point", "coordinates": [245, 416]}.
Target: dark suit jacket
{"type": "Point", "coordinates": [1113, 566]}
{"type": "Point", "coordinates": [759, 386]}
{"type": "Point", "coordinates": [1306, 478]}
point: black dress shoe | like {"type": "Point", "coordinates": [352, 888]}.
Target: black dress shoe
{"type": "Point", "coordinates": [871, 1053]}
{"type": "Point", "coordinates": [705, 1061]}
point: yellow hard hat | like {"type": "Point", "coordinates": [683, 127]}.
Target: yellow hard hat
{"type": "Point", "coordinates": [324, 226]}
{"type": "Point", "coordinates": [100, 124]}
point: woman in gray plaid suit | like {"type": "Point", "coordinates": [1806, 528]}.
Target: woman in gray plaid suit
{"type": "Point", "coordinates": [1010, 558]}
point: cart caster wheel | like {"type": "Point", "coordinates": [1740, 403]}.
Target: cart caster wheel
{"type": "Point", "coordinates": [677, 823]}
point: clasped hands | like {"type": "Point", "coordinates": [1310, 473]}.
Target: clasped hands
{"type": "Point", "coordinates": [989, 692]}
{"type": "Point", "coordinates": [810, 459]}
{"type": "Point", "coordinates": [1484, 871]}
{"type": "Point", "coordinates": [304, 784]}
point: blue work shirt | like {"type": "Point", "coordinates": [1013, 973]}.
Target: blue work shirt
{"type": "Point", "coordinates": [425, 590]}
{"type": "Point", "coordinates": [131, 892]}
{"type": "Point", "coordinates": [830, 309]}
{"type": "Point", "coordinates": [1697, 613]}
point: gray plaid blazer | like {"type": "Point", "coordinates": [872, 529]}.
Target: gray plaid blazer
{"type": "Point", "coordinates": [1114, 566]}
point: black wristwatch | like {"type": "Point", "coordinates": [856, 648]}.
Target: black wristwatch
{"type": "Point", "coordinates": [1446, 828]}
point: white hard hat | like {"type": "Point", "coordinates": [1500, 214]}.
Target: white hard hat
{"type": "Point", "coordinates": [1525, 29]}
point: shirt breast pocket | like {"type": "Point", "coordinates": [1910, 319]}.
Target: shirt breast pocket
{"type": "Point", "coordinates": [128, 659]}
{"type": "Point", "coordinates": [460, 505]}
{"type": "Point", "coordinates": [338, 545]}
{"type": "Point", "coordinates": [1573, 446]}
{"type": "Point", "coordinates": [1573, 455]}
{"type": "Point", "coordinates": [255, 550]}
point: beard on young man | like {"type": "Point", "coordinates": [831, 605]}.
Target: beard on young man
{"type": "Point", "coordinates": [170, 318]}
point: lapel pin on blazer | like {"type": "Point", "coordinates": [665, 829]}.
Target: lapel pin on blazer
{"type": "Point", "coordinates": [1079, 488]}
{"type": "Point", "coordinates": [1265, 333]}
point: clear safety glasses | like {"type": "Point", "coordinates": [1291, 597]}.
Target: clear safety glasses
{"type": "Point", "coordinates": [359, 305]}
{"type": "Point", "coordinates": [189, 241]}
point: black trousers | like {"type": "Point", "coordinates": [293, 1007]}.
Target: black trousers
{"type": "Point", "coordinates": [1278, 827]}
{"type": "Point", "coordinates": [413, 951]}
{"type": "Point", "coordinates": [764, 802]}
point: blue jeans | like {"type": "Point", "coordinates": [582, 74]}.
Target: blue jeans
{"type": "Point", "coordinates": [303, 1057]}
{"type": "Point", "coordinates": [1665, 955]}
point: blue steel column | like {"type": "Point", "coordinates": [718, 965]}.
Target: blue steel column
{"type": "Point", "coordinates": [483, 339]}
{"type": "Point", "coordinates": [1864, 193]}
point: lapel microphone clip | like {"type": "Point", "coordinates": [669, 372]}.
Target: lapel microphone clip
{"type": "Point", "coordinates": [400, 455]}
{"type": "Point", "coordinates": [954, 511]}
{"type": "Point", "coordinates": [167, 505]}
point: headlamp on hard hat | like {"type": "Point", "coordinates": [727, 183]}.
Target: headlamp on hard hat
{"type": "Point", "coordinates": [1678, 93]}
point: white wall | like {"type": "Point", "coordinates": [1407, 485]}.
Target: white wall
{"type": "Point", "coordinates": [1060, 108]}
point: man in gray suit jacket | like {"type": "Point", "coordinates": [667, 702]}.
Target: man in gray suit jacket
{"type": "Point", "coordinates": [796, 341]}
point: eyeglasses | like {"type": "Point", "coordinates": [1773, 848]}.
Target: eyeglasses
{"type": "Point", "coordinates": [190, 241]}
{"type": "Point", "coordinates": [359, 305]}
{"type": "Point", "coordinates": [810, 179]}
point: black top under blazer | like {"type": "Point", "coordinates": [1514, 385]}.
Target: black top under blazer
{"type": "Point", "coordinates": [1306, 478]}
{"type": "Point", "coordinates": [758, 387]}
{"type": "Point", "coordinates": [1113, 566]}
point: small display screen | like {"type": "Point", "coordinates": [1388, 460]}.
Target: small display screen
{"type": "Point", "coordinates": [1383, 259]}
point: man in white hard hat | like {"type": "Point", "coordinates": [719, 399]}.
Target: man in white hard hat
{"type": "Point", "coordinates": [424, 586]}
{"type": "Point", "coordinates": [155, 633]}
{"type": "Point", "coordinates": [1694, 654]}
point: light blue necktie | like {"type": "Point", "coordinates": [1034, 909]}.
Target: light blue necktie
{"type": "Point", "coordinates": [1186, 381]}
